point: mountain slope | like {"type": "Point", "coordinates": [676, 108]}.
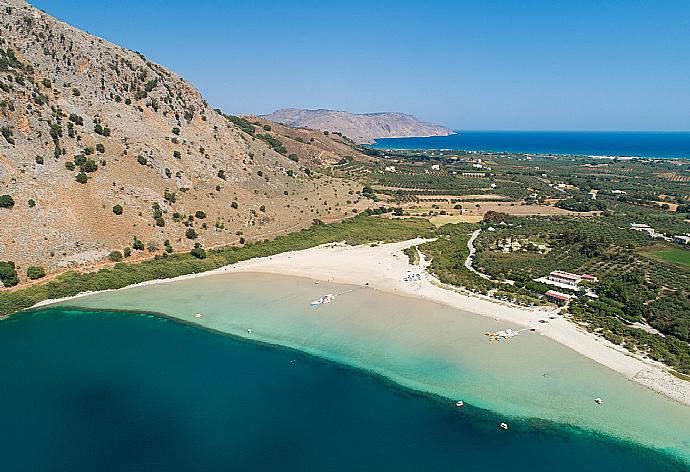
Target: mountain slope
{"type": "Point", "coordinates": [362, 128]}
{"type": "Point", "coordinates": [88, 126]}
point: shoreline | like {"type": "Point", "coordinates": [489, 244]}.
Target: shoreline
{"type": "Point", "coordinates": [383, 267]}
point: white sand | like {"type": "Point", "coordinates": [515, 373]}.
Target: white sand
{"type": "Point", "coordinates": [383, 267]}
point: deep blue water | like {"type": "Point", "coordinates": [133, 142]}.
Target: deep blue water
{"type": "Point", "coordinates": [588, 143]}
{"type": "Point", "coordinates": [122, 392]}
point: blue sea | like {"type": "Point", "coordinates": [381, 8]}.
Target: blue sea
{"type": "Point", "coordinates": [588, 143]}
{"type": "Point", "coordinates": [118, 391]}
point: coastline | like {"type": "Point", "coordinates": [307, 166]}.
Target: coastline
{"type": "Point", "coordinates": [383, 267]}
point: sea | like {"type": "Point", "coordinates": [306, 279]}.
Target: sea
{"type": "Point", "coordinates": [653, 144]}
{"type": "Point", "coordinates": [133, 380]}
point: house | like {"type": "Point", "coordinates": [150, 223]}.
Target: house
{"type": "Point", "coordinates": [565, 278]}
{"type": "Point", "coordinates": [589, 278]}
{"type": "Point", "coordinates": [618, 192]}
{"type": "Point", "coordinates": [685, 240]}
{"type": "Point", "coordinates": [436, 167]}
{"type": "Point", "coordinates": [557, 297]}
{"type": "Point", "coordinates": [477, 166]}
{"type": "Point", "coordinates": [592, 195]}
{"type": "Point", "coordinates": [390, 169]}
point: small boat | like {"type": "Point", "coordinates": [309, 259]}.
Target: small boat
{"type": "Point", "coordinates": [249, 331]}
{"type": "Point", "coordinates": [504, 426]}
{"type": "Point", "coordinates": [598, 401]}
{"type": "Point", "coordinates": [459, 403]}
{"type": "Point", "coordinates": [198, 315]}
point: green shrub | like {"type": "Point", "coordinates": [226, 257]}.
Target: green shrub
{"type": "Point", "coordinates": [39, 160]}
{"type": "Point", "coordinates": [117, 209]}
{"type": "Point", "coordinates": [177, 155]}
{"type": "Point", "coordinates": [35, 272]}
{"type": "Point", "coordinates": [191, 233]}
{"type": "Point", "coordinates": [293, 157]}
{"type": "Point", "coordinates": [115, 256]}
{"type": "Point", "coordinates": [198, 251]}
{"type": "Point", "coordinates": [31, 203]}
{"type": "Point", "coordinates": [6, 201]}
{"type": "Point", "coordinates": [8, 274]}
{"type": "Point", "coordinates": [200, 214]}
{"type": "Point", "coordinates": [176, 130]}
{"type": "Point", "coordinates": [137, 244]}
{"type": "Point", "coordinates": [82, 178]}
{"type": "Point", "coordinates": [234, 205]}
{"type": "Point", "coordinates": [69, 165]}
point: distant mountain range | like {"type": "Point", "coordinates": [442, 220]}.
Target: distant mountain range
{"type": "Point", "coordinates": [363, 128]}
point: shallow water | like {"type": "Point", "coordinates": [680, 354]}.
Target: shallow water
{"type": "Point", "coordinates": [113, 391]}
{"type": "Point", "coordinates": [423, 346]}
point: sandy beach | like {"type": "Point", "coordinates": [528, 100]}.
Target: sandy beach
{"type": "Point", "coordinates": [384, 267]}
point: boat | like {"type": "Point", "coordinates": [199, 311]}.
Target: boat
{"type": "Point", "coordinates": [598, 401]}
{"type": "Point", "coordinates": [328, 298]}
{"type": "Point", "coordinates": [459, 403]}
{"type": "Point", "coordinates": [504, 426]}
{"type": "Point", "coordinates": [249, 331]}
{"type": "Point", "coordinates": [198, 315]}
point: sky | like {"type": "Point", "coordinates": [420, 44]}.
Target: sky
{"type": "Point", "coordinates": [470, 65]}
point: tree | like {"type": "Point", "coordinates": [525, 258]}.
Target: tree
{"type": "Point", "coordinates": [200, 214]}
{"type": "Point", "coordinates": [8, 274]}
{"type": "Point", "coordinates": [293, 157]}
{"type": "Point", "coordinates": [6, 201]}
{"type": "Point", "coordinates": [234, 205]}
{"type": "Point", "coordinates": [198, 251]}
{"type": "Point", "coordinates": [117, 209]}
{"type": "Point", "coordinates": [82, 178]}
{"type": "Point", "coordinates": [100, 148]}
{"type": "Point", "coordinates": [128, 251]}
{"type": "Point", "coordinates": [115, 256]}
{"type": "Point", "coordinates": [137, 244]}
{"type": "Point", "coordinates": [190, 233]}
{"type": "Point", "coordinates": [35, 272]}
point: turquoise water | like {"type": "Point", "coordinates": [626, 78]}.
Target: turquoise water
{"type": "Point", "coordinates": [114, 391]}
{"type": "Point", "coordinates": [603, 143]}
{"type": "Point", "coordinates": [423, 346]}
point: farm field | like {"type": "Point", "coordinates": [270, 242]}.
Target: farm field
{"type": "Point", "coordinates": [669, 254]}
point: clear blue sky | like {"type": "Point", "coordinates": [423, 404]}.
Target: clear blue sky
{"type": "Point", "coordinates": [575, 65]}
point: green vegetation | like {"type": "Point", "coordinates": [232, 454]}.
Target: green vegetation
{"type": "Point", "coordinates": [115, 256]}
{"type": "Point", "coordinates": [358, 230]}
{"type": "Point", "coordinates": [35, 272]}
{"type": "Point", "coordinates": [670, 254]}
{"type": "Point", "coordinates": [6, 201]}
{"type": "Point", "coordinates": [117, 209]}
{"type": "Point", "coordinates": [8, 274]}
{"type": "Point", "coordinates": [198, 251]}
{"type": "Point", "coordinates": [275, 143]}
{"type": "Point", "coordinates": [82, 178]}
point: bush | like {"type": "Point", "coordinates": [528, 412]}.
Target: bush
{"type": "Point", "coordinates": [76, 119]}
{"type": "Point", "coordinates": [177, 155]}
{"type": "Point", "coordinates": [198, 251]}
{"type": "Point", "coordinates": [76, 92]}
{"type": "Point", "coordinates": [89, 166]}
{"type": "Point", "coordinates": [8, 274]}
{"type": "Point", "coordinates": [117, 209]}
{"type": "Point", "coordinates": [142, 160]}
{"type": "Point", "coordinates": [69, 165]}
{"type": "Point", "coordinates": [190, 233]}
{"type": "Point", "coordinates": [31, 203]}
{"type": "Point", "coordinates": [176, 130]}
{"type": "Point", "coordinates": [100, 148]}
{"type": "Point", "coordinates": [267, 127]}
{"type": "Point", "coordinates": [137, 244]}
{"type": "Point", "coordinates": [234, 205]}
{"type": "Point", "coordinates": [200, 214]}
{"type": "Point", "coordinates": [221, 174]}
{"type": "Point", "coordinates": [6, 201]}
{"type": "Point", "coordinates": [169, 196]}
{"type": "Point", "coordinates": [115, 256]}
{"type": "Point", "coordinates": [35, 272]}
{"type": "Point", "coordinates": [82, 178]}
{"type": "Point", "coordinates": [293, 157]}
{"type": "Point", "coordinates": [128, 251]}
{"type": "Point", "coordinates": [39, 159]}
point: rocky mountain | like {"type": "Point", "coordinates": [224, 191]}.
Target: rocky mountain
{"type": "Point", "coordinates": [362, 128]}
{"type": "Point", "coordinates": [103, 150]}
